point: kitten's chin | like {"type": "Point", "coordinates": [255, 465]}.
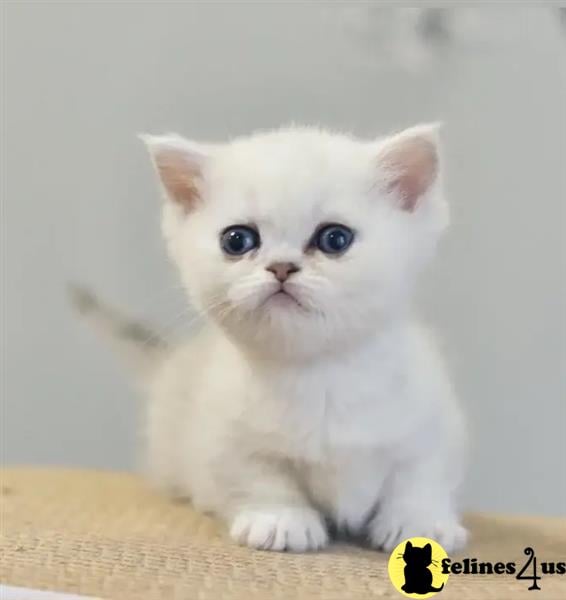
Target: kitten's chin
{"type": "Point", "coordinates": [282, 326]}
{"type": "Point", "coordinates": [284, 332]}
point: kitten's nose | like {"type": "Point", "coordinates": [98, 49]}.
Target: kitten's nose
{"type": "Point", "coordinates": [282, 270]}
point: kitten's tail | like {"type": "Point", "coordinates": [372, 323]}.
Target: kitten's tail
{"type": "Point", "coordinates": [142, 349]}
{"type": "Point", "coordinates": [433, 589]}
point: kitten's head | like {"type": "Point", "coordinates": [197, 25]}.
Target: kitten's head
{"type": "Point", "coordinates": [299, 241]}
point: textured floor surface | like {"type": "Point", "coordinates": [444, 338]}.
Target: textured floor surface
{"type": "Point", "coordinates": [107, 535]}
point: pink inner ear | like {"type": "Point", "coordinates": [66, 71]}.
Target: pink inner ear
{"type": "Point", "coordinates": [412, 165]}
{"type": "Point", "coordinates": [179, 176]}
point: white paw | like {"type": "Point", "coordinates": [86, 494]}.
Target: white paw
{"type": "Point", "coordinates": [389, 529]}
{"type": "Point", "coordinates": [295, 529]}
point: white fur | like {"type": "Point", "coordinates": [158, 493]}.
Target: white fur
{"type": "Point", "coordinates": [277, 416]}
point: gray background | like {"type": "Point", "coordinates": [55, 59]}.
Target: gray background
{"type": "Point", "coordinates": [80, 202]}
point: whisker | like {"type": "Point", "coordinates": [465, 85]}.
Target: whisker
{"type": "Point", "coordinates": [165, 331]}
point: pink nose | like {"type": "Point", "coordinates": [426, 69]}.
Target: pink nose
{"type": "Point", "coordinates": [282, 270]}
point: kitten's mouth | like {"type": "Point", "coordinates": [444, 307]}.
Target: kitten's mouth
{"type": "Point", "coordinates": [282, 297]}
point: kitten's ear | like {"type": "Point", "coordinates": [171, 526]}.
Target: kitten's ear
{"type": "Point", "coordinates": [179, 164]}
{"type": "Point", "coordinates": [409, 162]}
{"type": "Point", "coordinates": [428, 549]}
{"type": "Point", "coordinates": [408, 546]}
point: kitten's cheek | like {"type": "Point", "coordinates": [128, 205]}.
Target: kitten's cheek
{"type": "Point", "coordinates": [242, 299]}
{"type": "Point", "coordinates": [235, 297]}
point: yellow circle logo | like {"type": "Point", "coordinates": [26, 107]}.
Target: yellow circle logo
{"type": "Point", "coordinates": [415, 568]}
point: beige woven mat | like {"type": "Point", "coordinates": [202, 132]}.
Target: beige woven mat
{"type": "Point", "coordinates": [107, 535]}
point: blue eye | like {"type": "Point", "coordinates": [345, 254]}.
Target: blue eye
{"type": "Point", "coordinates": [239, 239]}
{"type": "Point", "coordinates": [333, 239]}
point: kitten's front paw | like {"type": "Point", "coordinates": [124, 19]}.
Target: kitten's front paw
{"type": "Point", "coordinates": [295, 529]}
{"type": "Point", "coordinates": [389, 529]}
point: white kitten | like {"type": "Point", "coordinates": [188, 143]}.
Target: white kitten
{"type": "Point", "coordinates": [311, 394]}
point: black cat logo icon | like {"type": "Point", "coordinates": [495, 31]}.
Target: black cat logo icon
{"type": "Point", "coordinates": [415, 568]}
